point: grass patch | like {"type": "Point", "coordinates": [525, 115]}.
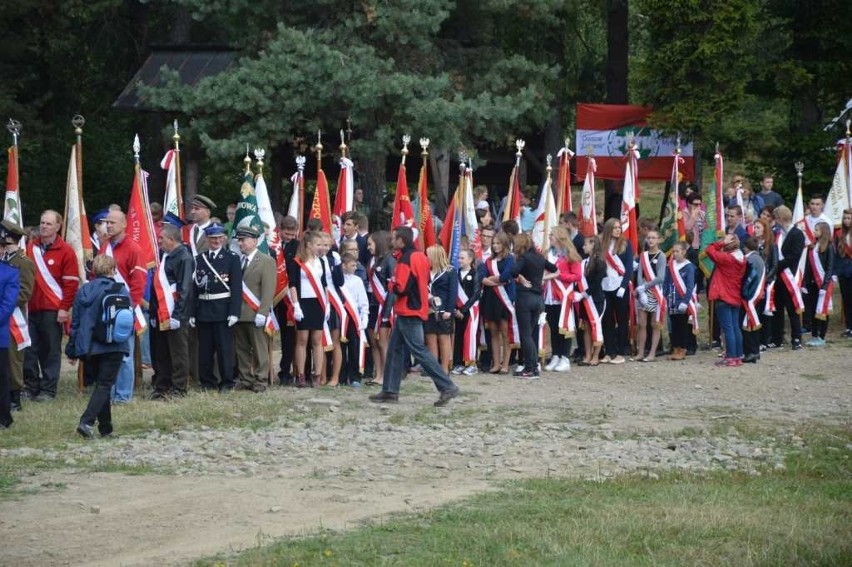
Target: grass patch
{"type": "Point", "coordinates": [815, 377]}
{"type": "Point", "coordinates": [800, 515]}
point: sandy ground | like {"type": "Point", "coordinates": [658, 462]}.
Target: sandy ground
{"type": "Point", "coordinates": [154, 519]}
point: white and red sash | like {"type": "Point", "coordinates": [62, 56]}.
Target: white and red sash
{"type": "Point", "coordinates": [19, 329]}
{"type": "Point", "coordinates": [564, 295]}
{"type": "Point", "coordinates": [45, 280]}
{"type": "Point", "coordinates": [824, 304]}
{"type": "Point", "coordinates": [469, 338]}
{"type": "Point", "coordinates": [350, 317]}
{"type": "Point", "coordinates": [613, 261]}
{"type": "Point", "coordinates": [319, 292]}
{"type": "Point", "coordinates": [657, 291]}
{"type": "Point", "coordinates": [751, 320]}
{"type": "Point", "coordinates": [503, 296]}
{"type": "Point", "coordinates": [595, 330]}
{"type": "Point", "coordinates": [680, 288]}
{"type": "Point", "coordinates": [165, 296]}
{"type": "Point", "coordinates": [791, 282]}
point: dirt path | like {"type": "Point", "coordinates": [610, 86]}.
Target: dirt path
{"type": "Point", "coordinates": [376, 461]}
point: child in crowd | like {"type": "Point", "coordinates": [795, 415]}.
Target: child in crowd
{"type": "Point", "coordinates": [354, 326]}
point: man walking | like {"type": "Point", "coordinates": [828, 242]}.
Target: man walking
{"type": "Point", "coordinates": [57, 278]}
{"type": "Point", "coordinates": [411, 307]}
{"type": "Point", "coordinates": [251, 343]}
{"type": "Point", "coordinates": [170, 342]}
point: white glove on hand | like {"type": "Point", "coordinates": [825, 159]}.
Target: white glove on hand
{"type": "Point", "coordinates": [232, 320]}
{"type": "Point", "coordinates": [174, 324]}
{"type": "Point", "coordinates": [804, 291]}
{"type": "Point", "coordinates": [298, 315]}
{"type": "Point", "coordinates": [259, 320]}
{"type": "Point", "coordinates": [682, 308]}
{"type": "Point", "coordinates": [192, 322]}
{"type": "Point", "coordinates": [364, 321]}
{"type": "Point", "coordinates": [620, 293]}
{"type": "Point", "coordinates": [542, 319]}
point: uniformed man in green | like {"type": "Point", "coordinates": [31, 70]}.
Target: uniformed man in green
{"type": "Point", "coordinates": [10, 238]}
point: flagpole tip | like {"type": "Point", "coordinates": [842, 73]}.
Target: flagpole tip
{"type": "Point", "coordinates": [78, 122]}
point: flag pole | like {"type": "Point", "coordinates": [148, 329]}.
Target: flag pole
{"type": "Point", "coordinates": [422, 191]}
{"type": "Point", "coordinates": [78, 122]}
{"type": "Point", "coordinates": [14, 127]}
{"type": "Point", "coordinates": [178, 186]}
{"type": "Point", "coordinates": [137, 351]}
{"type": "Point", "coordinates": [342, 145]}
{"type": "Point", "coordinates": [548, 184]}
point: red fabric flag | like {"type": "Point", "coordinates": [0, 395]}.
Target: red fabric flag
{"type": "Point", "coordinates": [427, 225]}
{"type": "Point", "coordinates": [403, 212]}
{"type": "Point", "coordinates": [513, 206]}
{"type": "Point", "coordinates": [563, 182]}
{"type": "Point", "coordinates": [446, 236]}
{"type": "Point", "coordinates": [587, 217]}
{"type": "Point", "coordinates": [321, 207]}
{"type": "Point", "coordinates": [605, 128]}
{"type": "Point", "coordinates": [628, 202]}
{"type": "Point", "coordinates": [344, 199]}
{"type": "Point", "coordinates": [140, 226]}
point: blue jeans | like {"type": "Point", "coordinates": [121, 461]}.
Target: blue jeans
{"type": "Point", "coordinates": [122, 391]}
{"type": "Point", "coordinates": [408, 332]}
{"type": "Point", "coordinates": [729, 323]}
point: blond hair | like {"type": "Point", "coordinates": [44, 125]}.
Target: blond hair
{"type": "Point", "coordinates": [103, 265]}
{"type": "Point", "coordinates": [438, 260]}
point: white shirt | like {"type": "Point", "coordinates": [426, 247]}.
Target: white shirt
{"type": "Point", "coordinates": [306, 290]}
{"type": "Point", "coordinates": [357, 293]}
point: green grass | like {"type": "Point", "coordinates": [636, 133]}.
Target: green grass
{"type": "Point", "coordinates": [797, 516]}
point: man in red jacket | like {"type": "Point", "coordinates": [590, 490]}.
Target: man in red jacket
{"type": "Point", "coordinates": [130, 271]}
{"type": "Point", "coordinates": [57, 277]}
{"type": "Point", "coordinates": [411, 308]}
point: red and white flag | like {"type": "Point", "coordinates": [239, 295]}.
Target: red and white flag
{"type": "Point", "coordinates": [605, 127]}
{"type": "Point", "coordinates": [628, 199]}
{"type": "Point", "coordinates": [546, 217]}
{"type": "Point", "coordinates": [297, 199]}
{"type": "Point", "coordinates": [587, 216]}
{"type": "Point", "coordinates": [563, 181]}
{"type": "Point", "coordinates": [840, 195]}
{"type": "Point", "coordinates": [403, 211]}
{"type": "Point", "coordinates": [718, 177]}
{"type": "Point", "coordinates": [76, 228]}
{"type": "Point", "coordinates": [321, 206]}
{"type": "Point", "coordinates": [344, 199]}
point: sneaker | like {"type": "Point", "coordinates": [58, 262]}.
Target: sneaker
{"type": "Point", "coordinates": [617, 360]}
{"type": "Point", "coordinates": [416, 368]}
{"type": "Point", "coordinates": [446, 396]}
{"type": "Point", "coordinates": [813, 342]}
{"type": "Point", "coordinates": [817, 342]}
{"type": "Point", "coordinates": [519, 368]}
{"type": "Point", "coordinates": [526, 375]}
{"type": "Point", "coordinates": [763, 348]}
{"type": "Point", "coordinates": [554, 362]}
{"type": "Point", "coordinates": [716, 345]}
{"type": "Point", "coordinates": [384, 398]}
{"type": "Point", "coordinates": [470, 371]}
{"type": "Point", "coordinates": [797, 344]}
{"type": "Point", "coordinates": [355, 383]}
{"type": "Point", "coordinates": [44, 398]}
{"type": "Point", "coordinates": [564, 365]}
{"type": "Point", "coordinates": [86, 431]}
{"type": "Point", "coordinates": [458, 369]}
{"type": "Point", "coordinates": [847, 333]}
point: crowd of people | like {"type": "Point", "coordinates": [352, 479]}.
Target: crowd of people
{"type": "Point", "coordinates": [367, 307]}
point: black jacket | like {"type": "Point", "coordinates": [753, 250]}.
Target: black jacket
{"type": "Point", "coordinates": [179, 267]}
{"type": "Point", "coordinates": [227, 264]}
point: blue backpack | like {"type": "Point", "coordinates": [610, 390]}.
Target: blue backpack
{"type": "Point", "coordinates": [115, 317]}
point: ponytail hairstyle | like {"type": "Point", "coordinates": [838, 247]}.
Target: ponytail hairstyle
{"type": "Point", "coordinates": [303, 253]}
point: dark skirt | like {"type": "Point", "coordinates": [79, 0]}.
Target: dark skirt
{"type": "Point", "coordinates": [491, 308]}
{"type": "Point", "coordinates": [314, 318]}
{"type": "Point", "coordinates": [435, 326]}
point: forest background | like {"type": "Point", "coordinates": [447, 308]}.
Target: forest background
{"type": "Point", "coordinates": [763, 78]}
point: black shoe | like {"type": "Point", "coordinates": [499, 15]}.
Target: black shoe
{"type": "Point", "coordinates": [797, 344]}
{"type": "Point", "coordinates": [158, 395]}
{"type": "Point", "coordinates": [446, 396]}
{"type": "Point", "coordinates": [716, 345]}
{"type": "Point", "coordinates": [753, 358]}
{"type": "Point", "coordinates": [106, 432]}
{"type": "Point", "coordinates": [384, 398]}
{"type": "Point", "coordinates": [226, 389]}
{"type": "Point", "coordinates": [86, 431]}
{"type": "Point", "coordinates": [15, 396]}
{"type": "Point", "coordinates": [773, 346]}
{"type": "Point", "coordinates": [44, 398]}
{"type": "Point", "coordinates": [690, 352]}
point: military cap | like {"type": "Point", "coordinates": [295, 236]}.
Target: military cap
{"type": "Point", "coordinates": [215, 230]}
{"type": "Point", "coordinates": [203, 201]}
{"type": "Point", "coordinates": [9, 229]}
{"type": "Point", "coordinates": [248, 231]}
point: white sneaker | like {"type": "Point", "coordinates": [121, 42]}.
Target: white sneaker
{"type": "Point", "coordinates": [564, 365]}
{"type": "Point", "coordinates": [519, 368]}
{"type": "Point", "coordinates": [458, 369]}
{"type": "Point", "coordinates": [554, 361]}
{"type": "Point", "coordinates": [470, 371]}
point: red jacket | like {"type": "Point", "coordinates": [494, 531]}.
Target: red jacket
{"type": "Point", "coordinates": [61, 263]}
{"type": "Point", "coordinates": [409, 284]}
{"type": "Point", "coordinates": [129, 265]}
{"type": "Point", "coordinates": [727, 281]}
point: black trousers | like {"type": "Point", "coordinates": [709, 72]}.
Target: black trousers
{"type": "Point", "coordinates": [288, 344]}
{"type": "Point", "coordinates": [751, 339]}
{"type": "Point", "coordinates": [458, 341]}
{"type": "Point", "coordinates": [105, 367]}
{"type": "Point", "coordinates": [5, 385]}
{"type": "Point", "coordinates": [783, 302]}
{"type": "Point", "coordinates": [616, 324]}
{"type": "Point", "coordinates": [43, 359]}
{"type": "Point", "coordinates": [170, 359]}
{"type": "Point", "coordinates": [681, 330]}
{"type": "Point", "coordinates": [215, 339]}
{"type": "Point", "coordinates": [351, 370]}
{"type": "Point", "coordinates": [528, 309]}
{"type": "Point", "coordinates": [560, 345]}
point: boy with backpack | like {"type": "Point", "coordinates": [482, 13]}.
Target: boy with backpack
{"type": "Point", "coordinates": [101, 329]}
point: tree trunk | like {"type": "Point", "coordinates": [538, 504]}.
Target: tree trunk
{"type": "Point", "coordinates": [439, 165]}
{"type": "Point", "coordinates": [371, 172]}
{"type": "Point", "coordinates": [616, 83]}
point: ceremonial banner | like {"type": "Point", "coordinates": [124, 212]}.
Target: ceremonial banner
{"type": "Point", "coordinates": [173, 203]}
{"type": "Point", "coordinates": [628, 200]}
{"type": "Point", "coordinates": [461, 220]}
{"type": "Point", "coordinates": [513, 200]}
{"type": "Point", "coordinates": [403, 212]}
{"type": "Point", "coordinates": [344, 199]}
{"type": "Point", "coordinates": [840, 195]}
{"type": "Point", "coordinates": [605, 127]}
{"type": "Point", "coordinates": [546, 217]}
{"type": "Point", "coordinates": [75, 229]}
{"type": "Point", "coordinates": [12, 204]}
{"type": "Point", "coordinates": [671, 225]}
{"type": "Point", "coordinates": [563, 181]}
{"type": "Point", "coordinates": [423, 211]}
{"type": "Point", "coordinates": [321, 206]}
{"type": "Point", "coordinates": [140, 226]}
{"type": "Point", "coordinates": [247, 210]}
{"type": "Point", "coordinates": [297, 198]}
{"type": "Point", "coordinates": [587, 216]}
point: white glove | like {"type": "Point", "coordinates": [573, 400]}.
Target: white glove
{"type": "Point", "coordinates": [364, 321]}
{"type": "Point", "coordinates": [821, 295]}
{"type": "Point", "coordinates": [192, 322]}
{"type": "Point", "coordinates": [297, 312]}
{"type": "Point", "coordinates": [542, 318]}
{"type": "Point", "coordinates": [804, 291]}
{"type": "Point", "coordinates": [682, 308]}
{"type": "Point", "coordinates": [835, 279]}
{"type": "Point", "coordinates": [577, 297]}
{"type": "Point", "coordinates": [232, 320]}
{"type": "Point", "coordinates": [259, 320]}
{"type": "Point", "coordinates": [620, 293]}
{"type": "Point", "coordinates": [174, 324]}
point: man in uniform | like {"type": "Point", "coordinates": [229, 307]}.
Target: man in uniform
{"type": "Point", "coordinates": [10, 237]}
{"type": "Point", "coordinates": [57, 278]}
{"type": "Point", "coordinates": [216, 308]}
{"type": "Point", "coordinates": [170, 342]}
{"type": "Point", "coordinates": [251, 343]}
{"type": "Point", "coordinates": [200, 211]}
{"type": "Point", "coordinates": [130, 272]}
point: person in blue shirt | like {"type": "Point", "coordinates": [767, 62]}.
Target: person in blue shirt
{"type": "Point", "coordinates": [9, 285]}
